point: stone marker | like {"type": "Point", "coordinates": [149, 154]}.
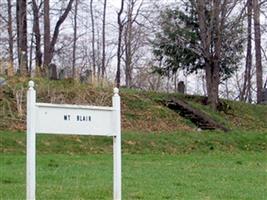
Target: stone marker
{"type": "Point", "coordinates": [2, 81]}
{"type": "Point", "coordinates": [181, 87]}
{"type": "Point", "coordinates": [52, 71]}
{"type": "Point", "coordinates": [87, 77]}
{"type": "Point", "coordinates": [62, 74]}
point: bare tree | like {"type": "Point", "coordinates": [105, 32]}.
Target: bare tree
{"type": "Point", "coordinates": [21, 16]}
{"type": "Point", "coordinates": [119, 52]}
{"type": "Point", "coordinates": [132, 37]}
{"type": "Point", "coordinates": [37, 34]}
{"type": "Point", "coordinates": [47, 34]}
{"type": "Point", "coordinates": [104, 40]}
{"type": "Point", "coordinates": [257, 32]}
{"type": "Point", "coordinates": [246, 91]}
{"type": "Point", "coordinates": [212, 28]}
{"type": "Point", "coordinates": [98, 52]}
{"type": "Point", "coordinates": [10, 39]}
{"type": "Point", "coordinates": [128, 42]}
{"type": "Point", "coordinates": [74, 39]}
{"type": "Point", "coordinates": [93, 38]}
{"type": "Point", "coordinates": [49, 44]}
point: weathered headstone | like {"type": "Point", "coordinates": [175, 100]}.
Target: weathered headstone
{"type": "Point", "coordinates": [62, 74]}
{"type": "Point", "coordinates": [52, 72]}
{"type": "Point", "coordinates": [86, 77]}
{"type": "Point", "coordinates": [2, 81]}
{"type": "Point", "coordinates": [181, 87]}
{"type": "Point", "coordinates": [2, 71]}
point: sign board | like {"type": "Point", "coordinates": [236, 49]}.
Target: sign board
{"type": "Point", "coordinates": [72, 120]}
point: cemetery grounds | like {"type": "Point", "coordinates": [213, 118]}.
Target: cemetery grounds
{"type": "Point", "coordinates": [178, 165]}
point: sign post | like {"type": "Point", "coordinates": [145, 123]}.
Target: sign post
{"type": "Point", "coordinates": [72, 120]}
{"type": "Point", "coordinates": [31, 142]}
{"type": "Point", "coordinates": [117, 145]}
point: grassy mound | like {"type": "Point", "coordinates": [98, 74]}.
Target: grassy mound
{"type": "Point", "coordinates": [141, 111]}
{"type": "Point", "coordinates": [141, 143]}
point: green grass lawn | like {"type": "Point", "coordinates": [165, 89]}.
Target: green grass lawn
{"type": "Point", "coordinates": [196, 176]}
{"type": "Point", "coordinates": [170, 166]}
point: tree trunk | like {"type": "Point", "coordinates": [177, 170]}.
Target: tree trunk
{"type": "Point", "coordinates": [47, 35]}
{"type": "Point", "coordinates": [74, 39]}
{"type": "Point", "coordinates": [24, 45]}
{"type": "Point", "coordinates": [98, 54]}
{"type": "Point", "coordinates": [10, 71]}
{"type": "Point", "coordinates": [246, 91]}
{"type": "Point", "coordinates": [212, 81]}
{"type": "Point", "coordinates": [104, 41]}
{"type": "Point", "coordinates": [30, 58]}
{"type": "Point", "coordinates": [22, 36]}
{"type": "Point", "coordinates": [18, 30]}
{"type": "Point", "coordinates": [128, 45]}
{"type": "Point", "coordinates": [120, 23]}
{"type": "Point", "coordinates": [93, 38]}
{"type": "Point", "coordinates": [257, 32]}
{"type": "Point", "coordinates": [37, 34]}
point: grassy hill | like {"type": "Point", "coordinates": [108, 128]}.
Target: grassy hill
{"type": "Point", "coordinates": [141, 110]}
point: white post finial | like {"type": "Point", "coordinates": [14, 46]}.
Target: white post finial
{"type": "Point", "coordinates": [31, 84]}
{"type": "Point", "coordinates": [116, 91]}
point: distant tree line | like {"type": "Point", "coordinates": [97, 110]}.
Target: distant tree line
{"type": "Point", "coordinates": [140, 43]}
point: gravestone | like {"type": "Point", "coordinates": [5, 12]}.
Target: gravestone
{"type": "Point", "coordinates": [181, 87]}
{"type": "Point", "coordinates": [2, 81]}
{"type": "Point", "coordinates": [62, 74]}
{"type": "Point", "coordinates": [87, 77]}
{"type": "Point", "coordinates": [52, 72]}
{"type": "Point", "coordinates": [2, 68]}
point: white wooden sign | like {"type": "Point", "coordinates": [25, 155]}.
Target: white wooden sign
{"type": "Point", "coordinates": [83, 120]}
{"type": "Point", "coordinates": [72, 120]}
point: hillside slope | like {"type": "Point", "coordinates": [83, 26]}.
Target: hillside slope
{"type": "Point", "coordinates": [141, 111]}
